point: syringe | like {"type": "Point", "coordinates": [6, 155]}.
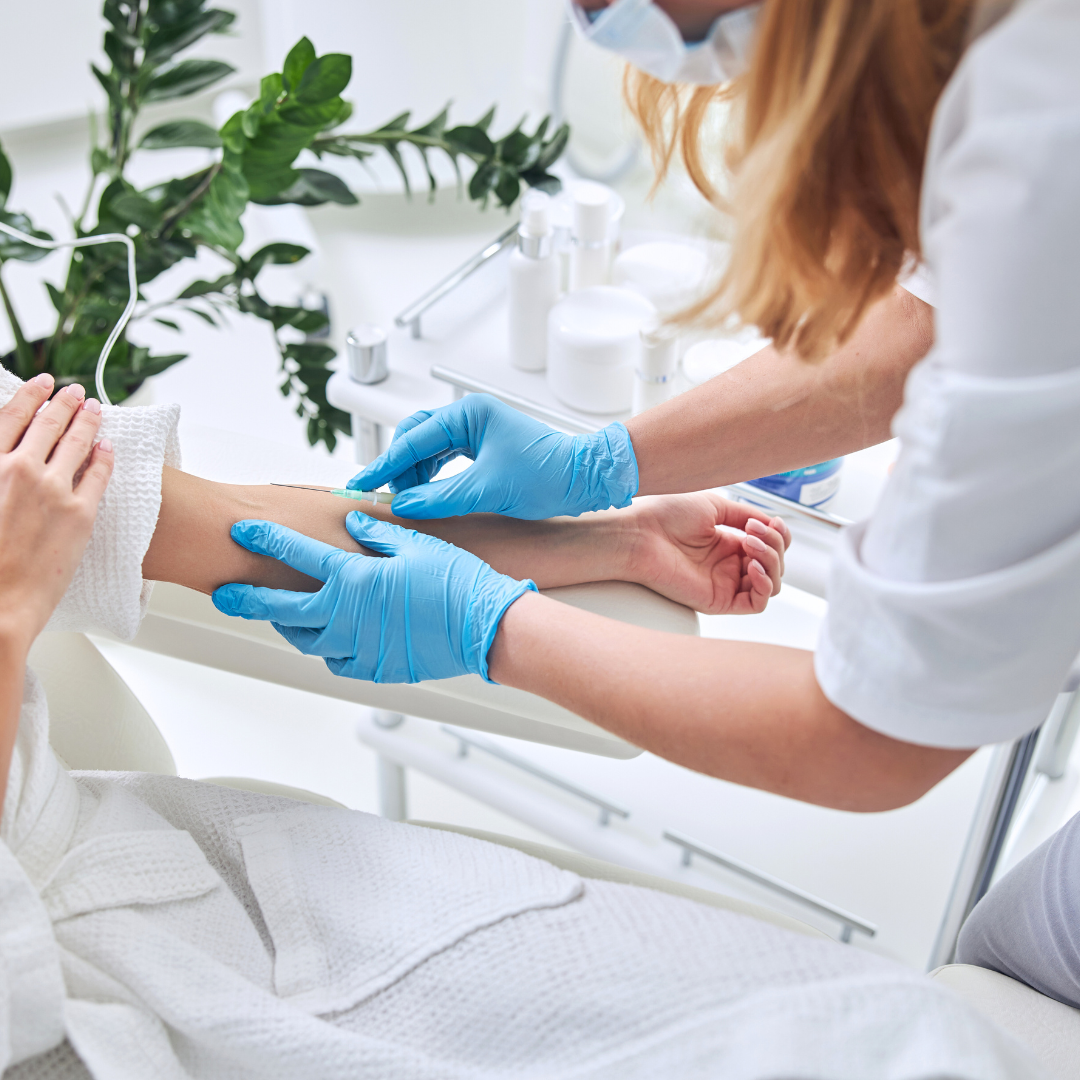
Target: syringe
{"type": "Point", "coordinates": [384, 497]}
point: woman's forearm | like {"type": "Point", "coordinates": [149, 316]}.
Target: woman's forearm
{"type": "Point", "coordinates": [192, 546]}
{"type": "Point", "coordinates": [13, 652]}
{"type": "Point", "coordinates": [748, 713]}
{"type": "Point", "coordinates": [773, 412]}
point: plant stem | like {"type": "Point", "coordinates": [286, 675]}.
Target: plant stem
{"type": "Point", "coordinates": [180, 210]}
{"type": "Point", "coordinates": [23, 352]}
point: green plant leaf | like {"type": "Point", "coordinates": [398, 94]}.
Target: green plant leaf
{"type": "Point", "coordinates": [167, 322]}
{"type": "Point", "coordinates": [280, 254]}
{"type": "Point", "coordinates": [215, 218]}
{"type": "Point", "coordinates": [435, 126]}
{"type": "Point", "coordinates": [507, 187]}
{"type": "Point", "coordinates": [109, 84]}
{"type": "Point", "coordinates": [471, 140]}
{"type": "Point", "coordinates": [55, 295]}
{"type": "Point", "coordinates": [483, 180]}
{"type": "Point", "coordinates": [180, 133]}
{"type": "Point", "coordinates": [313, 187]}
{"type": "Point", "coordinates": [131, 208]}
{"type": "Point", "coordinates": [300, 58]}
{"type": "Point", "coordinates": [554, 148]}
{"type": "Point", "coordinates": [10, 248]}
{"type": "Point", "coordinates": [169, 39]}
{"type": "Point", "coordinates": [324, 78]}
{"type": "Point", "coordinates": [5, 178]}
{"type": "Point", "coordinates": [201, 288]}
{"type": "Point", "coordinates": [187, 77]}
{"type": "Point", "coordinates": [100, 161]}
{"type": "Point", "coordinates": [515, 148]}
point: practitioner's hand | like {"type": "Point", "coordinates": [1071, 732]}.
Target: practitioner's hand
{"type": "Point", "coordinates": [52, 478]}
{"type": "Point", "coordinates": [682, 552]}
{"type": "Point", "coordinates": [427, 611]}
{"type": "Point", "coordinates": [522, 468]}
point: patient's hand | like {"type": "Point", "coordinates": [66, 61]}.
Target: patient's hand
{"type": "Point", "coordinates": [683, 552]}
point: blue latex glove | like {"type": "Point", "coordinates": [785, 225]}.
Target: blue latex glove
{"type": "Point", "coordinates": [429, 611]}
{"type": "Point", "coordinates": [523, 468]}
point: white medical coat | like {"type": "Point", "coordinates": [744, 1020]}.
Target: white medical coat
{"type": "Point", "coordinates": [954, 612]}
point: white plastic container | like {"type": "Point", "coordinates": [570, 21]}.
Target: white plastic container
{"type": "Point", "coordinates": [594, 348]}
{"type": "Point", "coordinates": [670, 275]}
{"type": "Point", "coordinates": [654, 379]}
{"type": "Point", "coordinates": [534, 284]}
{"type": "Point", "coordinates": [591, 250]}
{"type": "Point", "coordinates": [562, 217]}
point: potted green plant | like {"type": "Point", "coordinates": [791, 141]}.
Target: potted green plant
{"type": "Point", "coordinates": [299, 108]}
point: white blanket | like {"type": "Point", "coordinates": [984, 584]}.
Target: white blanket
{"type": "Point", "coordinates": [156, 927]}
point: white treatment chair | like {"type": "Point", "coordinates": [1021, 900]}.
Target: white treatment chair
{"type": "Point", "coordinates": [98, 723]}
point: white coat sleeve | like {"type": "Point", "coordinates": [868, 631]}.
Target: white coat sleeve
{"type": "Point", "coordinates": [108, 591]}
{"type": "Point", "coordinates": [954, 613]}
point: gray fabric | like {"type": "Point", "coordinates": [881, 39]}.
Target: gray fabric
{"type": "Point", "coordinates": [1028, 925]}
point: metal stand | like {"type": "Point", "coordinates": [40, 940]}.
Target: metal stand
{"type": "Point", "coordinates": [995, 812]}
{"type": "Point", "coordinates": [365, 439]}
{"type": "Point", "coordinates": [393, 796]}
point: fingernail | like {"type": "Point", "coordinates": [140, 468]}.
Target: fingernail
{"type": "Point", "coordinates": [756, 544]}
{"type": "Point", "coordinates": [92, 405]}
{"type": "Point", "coordinates": [754, 562]}
{"type": "Point", "coordinates": [75, 390]}
{"type": "Point", "coordinates": [105, 446]}
{"type": "Point", "coordinates": [44, 379]}
{"type": "Point", "coordinates": [753, 525]}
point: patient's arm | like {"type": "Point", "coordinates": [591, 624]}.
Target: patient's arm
{"type": "Point", "coordinates": [670, 543]}
{"type": "Point", "coordinates": [192, 546]}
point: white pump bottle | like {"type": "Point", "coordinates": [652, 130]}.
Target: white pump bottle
{"type": "Point", "coordinates": [534, 284]}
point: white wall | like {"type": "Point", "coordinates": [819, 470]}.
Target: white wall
{"type": "Point", "coordinates": [47, 76]}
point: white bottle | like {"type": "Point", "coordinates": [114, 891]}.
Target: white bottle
{"type": "Point", "coordinates": [534, 284]}
{"type": "Point", "coordinates": [654, 378]}
{"type": "Point", "coordinates": [590, 254]}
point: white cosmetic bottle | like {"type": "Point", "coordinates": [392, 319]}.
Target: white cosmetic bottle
{"type": "Point", "coordinates": [534, 284]}
{"type": "Point", "coordinates": [591, 250]}
{"type": "Point", "coordinates": [654, 378]}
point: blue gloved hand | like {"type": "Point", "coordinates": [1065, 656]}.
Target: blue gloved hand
{"type": "Point", "coordinates": [429, 611]}
{"type": "Point", "coordinates": [523, 468]}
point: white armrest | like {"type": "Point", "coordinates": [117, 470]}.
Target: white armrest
{"type": "Point", "coordinates": [186, 625]}
{"type": "Point", "coordinates": [1047, 1027]}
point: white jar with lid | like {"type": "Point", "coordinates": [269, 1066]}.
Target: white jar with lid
{"type": "Point", "coordinates": [594, 348]}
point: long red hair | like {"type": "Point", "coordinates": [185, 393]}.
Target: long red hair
{"type": "Point", "coordinates": [826, 140]}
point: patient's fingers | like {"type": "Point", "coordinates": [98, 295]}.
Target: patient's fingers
{"type": "Point", "coordinates": [95, 478]}
{"type": "Point", "coordinates": [272, 605]}
{"type": "Point", "coordinates": [311, 557]}
{"type": "Point", "coordinates": [49, 425]}
{"type": "Point", "coordinates": [75, 444]}
{"type": "Point", "coordinates": [767, 546]}
{"type": "Point", "coordinates": [16, 415]}
{"type": "Point", "coordinates": [759, 587]}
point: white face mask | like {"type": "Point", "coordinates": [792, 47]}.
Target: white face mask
{"type": "Point", "coordinates": [646, 36]}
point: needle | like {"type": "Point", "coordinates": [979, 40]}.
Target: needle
{"type": "Point", "coordinates": [383, 497]}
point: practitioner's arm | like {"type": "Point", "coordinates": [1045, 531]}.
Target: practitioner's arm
{"type": "Point", "coordinates": [681, 546]}
{"type": "Point", "coordinates": [774, 412]}
{"type": "Point", "coordinates": [748, 713]}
